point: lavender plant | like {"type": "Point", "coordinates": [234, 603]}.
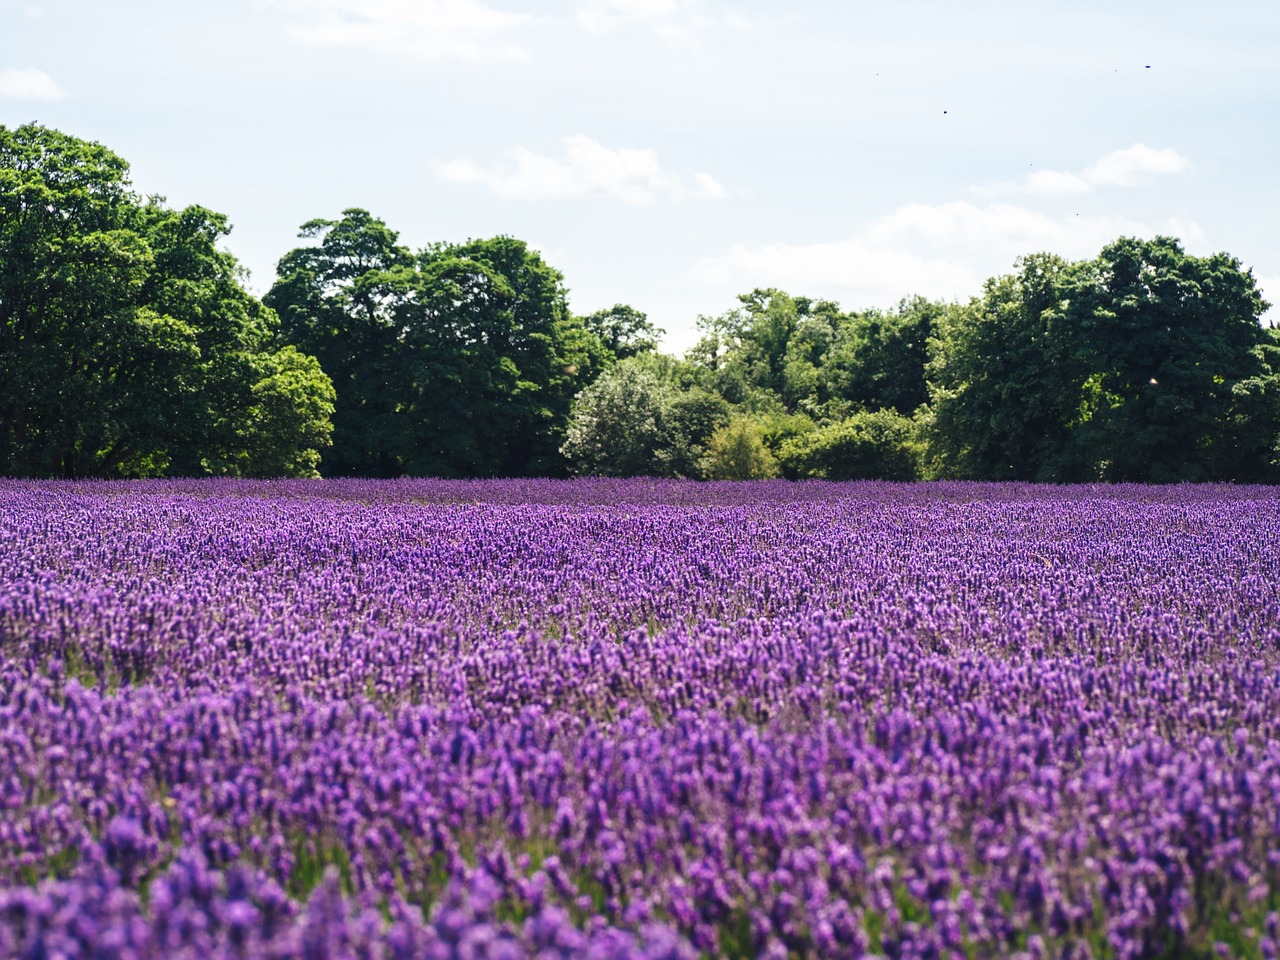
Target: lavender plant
{"type": "Point", "coordinates": [649, 719]}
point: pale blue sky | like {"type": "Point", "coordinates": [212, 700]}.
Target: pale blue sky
{"type": "Point", "coordinates": [673, 153]}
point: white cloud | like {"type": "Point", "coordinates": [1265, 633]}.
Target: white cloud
{"type": "Point", "coordinates": [1009, 228]}
{"type": "Point", "coordinates": [460, 29]}
{"type": "Point", "coordinates": [29, 85]}
{"type": "Point", "coordinates": [481, 30]}
{"type": "Point", "coordinates": [586, 169]}
{"type": "Point", "coordinates": [1137, 164]}
{"type": "Point", "coordinates": [602, 10]}
{"type": "Point", "coordinates": [679, 21]}
{"type": "Point", "coordinates": [708, 187]}
{"type": "Point", "coordinates": [1130, 167]}
{"type": "Point", "coordinates": [601, 16]}
{"type": "Point", "coordinates": [940, 250]}
{"type": "Point", "coordinates": [1051, 182]}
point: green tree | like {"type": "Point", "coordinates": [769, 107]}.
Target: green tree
{"type": "Point", "coordinates": [736, 451]}
{"type": "Point", "coordinates": [748, 351]}
{"type": "Point", "coordinates": [679, 373]}
{"type": "Point", "coordinates": [1005, 379]}
{"type": "Point", "coordinates": [777, 427]}
{"type": "Point", "coordinates": [340, 300]}
{"type": "Point", "coordinates": [1250, 439]}
{"type": "Point", "coordinates": [623, 330]}
{"type": "Point", "coordinates": [1142, 364]}
{"type": "Point", "coordinates": [805, 359]}
{"type": "Point", "coordinates": [287, 421]}
{"type": "Point", "coordinates": [1173, 347]}
{"type": "Point", "coordinates": [461, 360]}
{"type": "Point", "coordinates": [496, 318]}
{"type": "Point", "coordinates": [259, 407]}
{"type": "Point", "coordinates": [128, 345]}
{"type": "Point", "coordinates": [631, 422]}
{"type": "Point", "coordinates": [694, 415]}
{"type": "Point", "coordinates": [869, 445]}
{"type": "Point", "coordinates": [620, 425]}
{"type": "Point", "coordinates": [878, 358]}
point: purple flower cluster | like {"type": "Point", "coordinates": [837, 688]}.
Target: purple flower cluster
{"type": "Point", "coordinates": [608, 719]}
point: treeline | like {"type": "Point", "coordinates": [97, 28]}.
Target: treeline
{"type": "Point", "coordinates": [129, 347]}
{"type": "Point", "coordinates": [1141, 364]}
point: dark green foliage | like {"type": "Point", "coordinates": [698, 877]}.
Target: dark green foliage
{"type": "Point", "coordinates": [127, 344]}
{"type": "Point", "coordinates": [878, 358]}
{"type": "Point", "coordinates": [497, 323]}
{"type": "Point", "coordinates": [805, 362]}
{"type": "Point", "coordinates": [878, 445]}
{"type": "Point", "coordinates": [1005, 379]}
{"type": "Point", "coordinates": [624, 331]}
{"type": "Point", "coordinates": [1252, 431]}
{"type": "Point", "coordinates": [460, 361]}
{"type": "Point", "coordinates": [1143, 364]}
{"type": "Point", "coordinates": [694, 416]}
{"type": "Point", "coordinates": [339, 301]}
{"type": "Point", "coordinates": [1167, 337]}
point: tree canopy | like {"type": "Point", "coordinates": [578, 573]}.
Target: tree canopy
{"type": "Point", "coordinates": [1004, 379]}
{"type": "Point", "coordinates": [623, 330]}
{"type": "Point", "coordinates": [1142, 364]}
{"type": "Point", "coordinates": [1171, 343]}
{"type": "Point", "coordinates": [459, 360]}
{"type": "Point", "coordinates": [128, 345]}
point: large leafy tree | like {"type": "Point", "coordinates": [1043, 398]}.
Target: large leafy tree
{"type": "Point", "coordinates": [341, 300]}
{"type": "Point", "coordinates": [623, 330]}
{"type": "Point", "coordinates": [1174, 348]}
{"type": "Point", "coordinates": [1142, 364]}
{"type": "Point", "coordinates": [501, 343]}
{"type": "Point", "coordinates": [878, 358]}
{"type": "Point", "coordinates": [461, 360]}
{"type": "Point", "coordinates": [260, 407]}
{"type": "Point", "coordinates": [768, 349]}
{"type": "Point", "coordinates": [1005, 379]}
{"type": "Point", "coordinates": [127, 344]}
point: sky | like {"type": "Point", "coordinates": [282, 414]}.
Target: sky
{"type": "Point", "coordinates": [672, 154]}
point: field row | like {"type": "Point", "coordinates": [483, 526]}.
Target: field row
{"type": "Point", "coordinates": [638, 719]}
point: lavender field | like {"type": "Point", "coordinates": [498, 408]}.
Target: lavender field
{"type": "Point", "coordinates": [638, 719]}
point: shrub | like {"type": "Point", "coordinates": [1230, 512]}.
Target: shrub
{"type": "Point", "coordinates": [631, 423]}
{"type": "Point", "coordinates": [870, 445]}
{"type": "Point", "coordinates": [737, 451]}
